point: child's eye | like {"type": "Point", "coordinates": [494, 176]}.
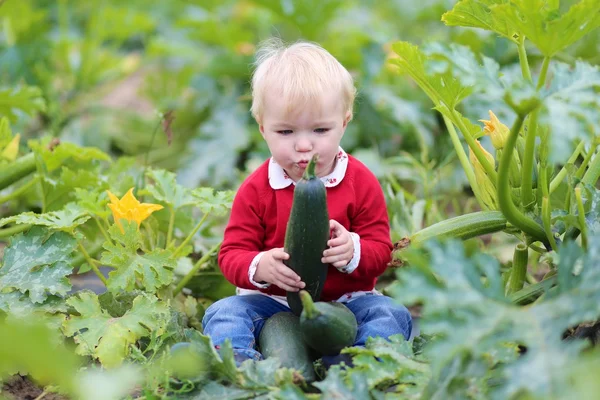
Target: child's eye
{"type": "Point", "coordinates": [285, 132]}
{"type": "Point", "coordinates": [321, 130]}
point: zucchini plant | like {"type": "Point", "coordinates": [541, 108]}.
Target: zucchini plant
{"type": "Point", "coordinates": [540, 183]}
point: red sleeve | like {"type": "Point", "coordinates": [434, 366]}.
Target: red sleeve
{"type": "Point", "coordinates": [243, 237]}
{"type": "Point", "coordinates": [370, 221]}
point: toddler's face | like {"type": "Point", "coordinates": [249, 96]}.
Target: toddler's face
{"type": "Point", "coordinates": [293, 137]}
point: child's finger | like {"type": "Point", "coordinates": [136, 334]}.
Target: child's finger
{"type": "Point", "coordinates": [283, 270]}
{"type": "Point", "coordinates": [289, 285]}
{"type": "Point", "coordinates": [280, 254]}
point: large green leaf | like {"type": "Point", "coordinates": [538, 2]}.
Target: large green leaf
{"type": "Point", "coordinates": [209, 200]}
{"type": "Point", "coordinates": [37, 263]}
{"type": "Point", "coordinates": [164, 188]}
{"type": "Point", "coordinates": [442, 89]}
{"type": "Point", "coordinates": [54, 156]}
{"type": "Point", "coordinates": [20, 306]}
{"type": "Point", "coordinates": [66, 219]}
{"type": "Point", "coordinates": [152, 269]}
{"type": "Point", "coordinates": [219, 151]}
{"type": "Point", "coordinates": [571, 104]}
{"type": "Point", "coordinates": [93, 201]}
{"type": "Point", "coordinates": [465, 307]}
{"type": "Point", "coordinates": [480, 14]}
{"type": "Point", "coordinates": [538, 21]}
{"type": "Point", "coordinates": [27, 99]}
{"type": "Point", "coordinates": [60, 190]}
{"type": "Point", "coordinates": [376, 366]}
{"type": "Point", "coordinates": [106, 338]}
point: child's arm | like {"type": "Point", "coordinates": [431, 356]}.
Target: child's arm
{"type": "Point", "coordinates": [242, 259]}
{"type": "Point", "coordinates": [368, 236]}
{"type": "Point", "coordinates": [243, 238]}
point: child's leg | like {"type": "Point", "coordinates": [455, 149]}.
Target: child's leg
{"type": "Point", "coordinates": [240, 319]}
{"type": "Point", "coordinates": [379, 316]}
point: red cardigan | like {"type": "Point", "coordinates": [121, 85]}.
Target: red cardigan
{"type": "Point", "coordinates": [260, 214]}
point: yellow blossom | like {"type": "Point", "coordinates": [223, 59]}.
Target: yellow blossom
{"type": "Point", "coordinates": [487, 188]}
{"type": "Point", "coordinates": [497, 130]}
{"type": "Point", "coordinates": [130, 209]}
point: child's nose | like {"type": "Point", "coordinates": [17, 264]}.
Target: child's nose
{"type": "Point", "coordinates": [303, 144]}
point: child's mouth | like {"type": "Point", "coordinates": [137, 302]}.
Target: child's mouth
{"type": "Point", "coordinates": [303, 164]}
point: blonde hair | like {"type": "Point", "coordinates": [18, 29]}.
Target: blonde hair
{"type": "Point", "coordinates": [300, 73]}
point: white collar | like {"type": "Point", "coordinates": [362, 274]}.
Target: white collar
{"type": "Point", "coordinates": [278, 179]}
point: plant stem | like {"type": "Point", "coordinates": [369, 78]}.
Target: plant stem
{"type": "Point", "coordinates": [519, 268]}
{"type": "Point", "coordinates": [462, 157]}
{"type": "Point", "coordinates": [189, 237]}
{"type": "Point", "coordinates": [547, 221]}
{"type": "Point", "coordinates": [104, 233]}
{"type": "Point", "coordinates": [523, 59]}
{"type": "Point", "coordinates": [42, 395]}
{"type": "Point", "coordinates": [527, 166]}
{"type": "Point", "coordinates": [531, 292]}
{"type": "Point", "coordinates": [80, 258]}
{"type": "Point", "coordinates": [581, 218]}
{"type": "Point", "coordinates": [585, 162]}
{"type": "Point", "coordinates": [147, 155]}
{"type": "Point", "coordinates": [308, 306]}
{"type": "Point", "coordinates": [543, 73]}
{"type": "Point", "coordinates": [40, 170]}
{"type": "Point", "coordinates": [487, 166]}
{"type": "Point", "coordinates": [563, 171]}
{"type": "Point", "coordinates": [13, 230]}
{"type": "Point", "coordinates": [171, 225]}
{"type": "Point", "coordinates": [593, 173]}
{"type": "Point", "coordinates": [92, 264]}
{"type": "Point", "coordinates": [17, 193]}
{"type": "Point", "coordinates": [508, 208]}
{"type": "Point", "coordinates": [194, 269]}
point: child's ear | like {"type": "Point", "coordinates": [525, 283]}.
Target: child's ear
{"type": "Point", "coordinates": [347, 118]}
{"type": "Point", "coordinates": [262, 129]}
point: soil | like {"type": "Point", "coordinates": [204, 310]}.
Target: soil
{"type": "Point", "coordinates": [21, 388]}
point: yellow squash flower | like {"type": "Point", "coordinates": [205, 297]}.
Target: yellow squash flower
{"type": "Point", "coordinates": [130, 209]}
{"type": "Point", "coordinates": [487, 188]}
{"type": "Point", "coordinates": [497, 130]}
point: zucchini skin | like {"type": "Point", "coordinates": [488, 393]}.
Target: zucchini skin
{"type": "Point", "coordinates": [463, 227]}
{"type": "Point", "coordinates": [306, 236]}
{"type": "Point", "coordinates": [18, 169]}
{"type": "Point", "coordinates": [327, 327]}
{"type": "Point", "coordinates": [281, 337]}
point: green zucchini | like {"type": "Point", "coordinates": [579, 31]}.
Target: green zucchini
{"type": "Point", "coordinates": [327, 327]}
{"type": "Point", "coordinates": [463, 227]}
{"type": "Point", "coordinates": [306, 235]}
{"type": "Point", "coordinates": [16, 170]}
{"type": "Point", "coordinates": [281, 337]}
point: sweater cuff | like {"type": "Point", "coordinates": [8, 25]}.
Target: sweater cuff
{"type": "Point", "coordinates": [252, 271]}
{"type": "Point", "coordinates": [353, 264]}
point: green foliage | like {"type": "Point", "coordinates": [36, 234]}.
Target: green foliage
{"type": "Point", "coordinates": [107, 338]}
{"type": "Point", "coordinates": [85, 84]}
{"type": "Point", "coordinates": [37, 263]}
{"type": "Point", "coordinates": [66, 219]}
{"type": "Point", "coordinates": [153, 269]}
{"type": "Point", "coordinates": [30, 347]}
{"type": "Point", "coordinates": [27, 99]}
{"type": "Point", "coordinates": [465, 308]}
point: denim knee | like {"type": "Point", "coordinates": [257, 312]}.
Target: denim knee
{"type": "Point", "coordinates": [380, 316]}
{"type": "Point", "coordinates": [224, 305]}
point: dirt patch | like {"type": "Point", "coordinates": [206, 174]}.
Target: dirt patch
{"type": "Point", "coordinates": [21, 388]}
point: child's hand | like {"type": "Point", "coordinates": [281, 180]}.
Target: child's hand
{"type": "Point", "coordinates": [271, 269]}
{"type": "Point", "coordinates": [341, 246]}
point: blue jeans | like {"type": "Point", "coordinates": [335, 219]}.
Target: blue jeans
{"type": "Point", "coordinates": [241, 318]}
